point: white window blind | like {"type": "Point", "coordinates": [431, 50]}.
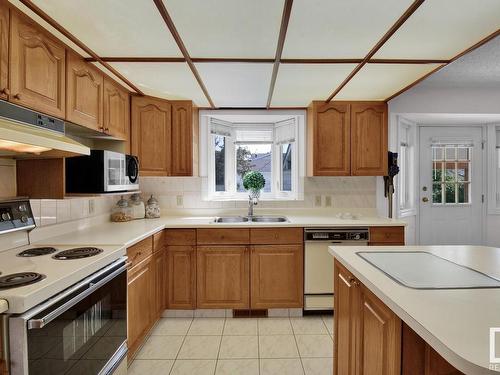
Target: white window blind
{"type": "Point", "coordinates": [285, 131]}
{"type": "Point", "coordinates": [254, 135]}
{"type": "Point", "coordinates": [218, 127]}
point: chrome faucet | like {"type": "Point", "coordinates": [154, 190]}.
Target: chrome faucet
{"type": "Point", "coordinates": [251, 202]}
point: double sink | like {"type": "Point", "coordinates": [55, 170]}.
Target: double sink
{"type": "Point", "coordinates": [254, 219]}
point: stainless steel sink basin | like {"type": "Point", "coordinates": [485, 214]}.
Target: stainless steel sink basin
{"type": "Point", "coordinates": [269, 219]}
{"type": "Point", "coordinates": [231, 219]}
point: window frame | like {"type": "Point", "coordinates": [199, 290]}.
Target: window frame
{"type": "Point", "coordinates": [406, 179]}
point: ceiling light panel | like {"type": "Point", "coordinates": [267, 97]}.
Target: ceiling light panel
{"type": "Point", "coordinates": [237, 84]}
{"type": "Point", "coordinates": [340, 28]}
{"type": "Point", "coordinates": [228, 28]}
{"type": "Point", "coordinates": [164, 80]}
{"type": "Point", "coordinates": [298, 84]}
{"type": "Point", "coordinates": [441, 29]}
{"type": "Point", "coordinates": [114, 27]}
{"type": "Point", "coordinates": [380, 81]}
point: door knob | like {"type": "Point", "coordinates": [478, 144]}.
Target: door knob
{"type": "Point", "coordinates": [425, 199]}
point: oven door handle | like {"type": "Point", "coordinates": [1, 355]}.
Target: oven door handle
{"type": "Point", "coordinates": [92, 287]}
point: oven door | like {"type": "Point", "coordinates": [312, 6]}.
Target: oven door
{"type": "Point", "coordinates": [81, 331]}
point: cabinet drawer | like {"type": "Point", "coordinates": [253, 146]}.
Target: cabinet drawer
{"type": "Point", "coordinates": [180, 236]}
{"type": "Point", "coordinates": [223, 236]}
{"type": "Point", "coordinates": [141, 250]}
{"type": "Point", "coordinates": [387, 235]}
{"type": "Point", "coordinates": [159, 241]}
{"type": "Point", "coordinates": [271, 236]}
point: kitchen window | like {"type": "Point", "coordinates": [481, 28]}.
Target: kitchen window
{"type": "Point", "coordinates": [267, 147]}
{"type": "Point", "coordinates": [406, 161]}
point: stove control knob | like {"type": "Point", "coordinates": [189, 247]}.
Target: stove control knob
{"type": "Point", "coordinates": [22, 208]}
{"type": "Point", "coordinates": [357, 236]}
{"type": "Point", "coordinates": [24, 219]}
{"type": "Point", "coordinates": [5, 216]}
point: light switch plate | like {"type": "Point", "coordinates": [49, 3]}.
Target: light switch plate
{"type": "Point", "coordinates": [180, 201]}
{"type": "Point", "coordinates": [328, 201]}
{"type": "Point", "coordinates": [317, 201]}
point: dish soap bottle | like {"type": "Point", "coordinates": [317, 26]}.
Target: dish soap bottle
{"type": "Point", "coordinates": [137, 205]}
{"type": "Point", "coordinates": [152, 208]}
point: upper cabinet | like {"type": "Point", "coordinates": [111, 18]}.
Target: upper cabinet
{"type": "Point", "coordinates": [162, 136]}
{"type": "Point", "coordinates": [37, 67]}
{"type": "Point", "coordinates": [116, 110]}
{"type": "Point", "coordinates": [369, 139]}
{"type": "Point", "coordinates": [347, 139]}
{"type": "Point", "coordinates": [84, 99]}
{"type": "Point", "coordinates": [4, 50]}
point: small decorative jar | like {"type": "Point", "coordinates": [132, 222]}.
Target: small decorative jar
{"type": "Point", "coordinates": [137, 205]}
{"type": "Point", "coordinates": [121, 212]}
{"type": "Point", "coordinates": [152, 208]}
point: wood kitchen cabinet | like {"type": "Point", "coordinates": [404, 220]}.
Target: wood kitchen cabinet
{"type": "Point", "coordinates": [277, 277]}
{"type": "Point", "coordinates": [387, 236]}
{"type": "Point", "coordinates": [182, 138]}
{"type": "Point", "coordinates": [369, 139]}
{"type": "Point", "coordinates": [116, 110]}
{"type": "Point", "coordinates": [85, 90]}
{"type": "Point", "coordinates": [367, 333]}
{"type": "Point", "coordinates": [37, 67]}
{"type": "Point", "coordinates": [160, 273]}
{"type": "Point", "coordinates": [223, 275]}
{"type": "Point", "coordinates": [347, 139]}
{"type": "Point", "coordinates": [181, 275]}
{"type": "Point", "coordinates": [4, 50]}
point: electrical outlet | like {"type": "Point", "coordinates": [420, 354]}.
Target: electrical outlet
{"type": "Point", "coordinates": [317, 201]}
{"type": "Point", "coordinates": [180, 201]}
{"type": "Point", "coordinates": [328, 201]}
{"type": "Point", "coordinates": [91, 206]}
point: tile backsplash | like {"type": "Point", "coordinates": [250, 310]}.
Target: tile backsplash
{"type": "Point", "coordinates": [319, 192]}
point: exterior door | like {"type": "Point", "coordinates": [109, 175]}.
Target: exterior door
{"type": "Point", "coordinates": [451, 188]}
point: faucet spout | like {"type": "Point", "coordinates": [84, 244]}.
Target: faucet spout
{"type": "Point", "coordinates": [251, 203]}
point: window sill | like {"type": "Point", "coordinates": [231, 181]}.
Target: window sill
{"type": "Point", "coordinates": [245, 199]}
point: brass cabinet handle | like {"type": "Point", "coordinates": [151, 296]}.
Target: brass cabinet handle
{"type": "Point", "coordinates": [106, 129]}
{"type": "Point", "coordinates": [5, 91]}
{"type": "Point", "coordinates": [17, 96]}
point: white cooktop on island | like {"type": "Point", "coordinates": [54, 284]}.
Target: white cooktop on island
{"type": "Point", "coordinates": [455, 322]}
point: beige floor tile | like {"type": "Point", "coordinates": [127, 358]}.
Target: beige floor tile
{"type": "Point", "coordinates": [308, 326]}
{"type": "Point", "coordinates": [172, 326]}
{"type": "Point", "coordinates": [240, 327]}
{"type": "Point", "coordinates": [237, 367]}
{"type": "Point", "coordinates": [233, 347]}
{"type": "Point", "coordinates": [281, 367]}
{"type": "Point", "coordinates": [328, 320]}
{"type": "Point", "coordinates": [150, 367]}
{"type": "Point", "coordinates": [200, 347]}
{"type": "Point", "coordinates": [314, 346]}
{"type": "Point", "coordinates": [161, 347]}
{"type": "Point", "coordinates": [279, 346]}
{"type": "Point", "coordinates": [193, 367]}
{"type": "Point", "coordinates": [275, 326]}
{"type": "Point", "coordinates": [318, 366]}
{"type": "Point", "coordinates": [206, 326]}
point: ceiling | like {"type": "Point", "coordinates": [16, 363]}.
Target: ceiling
{"type": "Point", "coordinates": [269, 53]}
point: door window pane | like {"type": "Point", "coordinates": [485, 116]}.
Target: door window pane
{"type": "Point", "coordinates": [437, 153]}
{"type": "Point", "coordinates": [220, 163]}
{"type": "Point", "coordinates": [463, 171]}
{"type": "Point", "coordinates": [463, 193]}
{"type": "Point", "coordinates": [254, 157]}
{"type": "Point", "coordinates": [286, 167]}
{"type": "Point", "coordinates": [437, 171]}
{"type": "Point", "coordinates": [449, 194]}
{"type": "Point", "coordinates": [450, 153]}
{"type": "Point", "coordinates": [437, 193]}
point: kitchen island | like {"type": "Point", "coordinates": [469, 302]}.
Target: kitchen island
{"type": "Point", "coordinates": [419, 327]}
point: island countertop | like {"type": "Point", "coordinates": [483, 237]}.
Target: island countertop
{"type": "Point", "coordinates": [455, 322]}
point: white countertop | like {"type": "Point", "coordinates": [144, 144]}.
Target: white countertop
{"type": "Point", "coordinates": [455, 322]}
{"type": "Point", "coordinates": [131, 232]}
{"type": "Point", "coordinates": [4, 306]}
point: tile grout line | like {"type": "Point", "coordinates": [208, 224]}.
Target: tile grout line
{"type": "Point", "coordinates": [297, 345]}
{"type": "Point", "coordinates": [180, 347]}
{"type": "Point", "coordinates": [220, 344]}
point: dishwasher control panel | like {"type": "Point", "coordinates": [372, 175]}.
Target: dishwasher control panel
{"type": "Point", "coordinates": [330, 234]}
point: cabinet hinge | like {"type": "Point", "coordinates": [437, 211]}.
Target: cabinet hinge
{"type": "Point", "coordinates": [482, 198]}
{"type": "Point", "coordinates": [482, 144]}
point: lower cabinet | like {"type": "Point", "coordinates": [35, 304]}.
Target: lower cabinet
{"type": "Point", "coordinates": [277, 276]}
{"type": "Point", "coordinates": [367, 332]}
{"type": "Point", "coordinates": [223, 275]}
{"type": "Point", "coordinates": [181, 283]}
{"type": "Point", "coordinates": [140, 306]}
{"type": "Point", "coordinates": [160, 275]}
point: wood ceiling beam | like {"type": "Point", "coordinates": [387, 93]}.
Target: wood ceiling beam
{"type": "Point", "coordinates": [413, 7]}
{"type": "Point", "coordinates": [465, 52]}
{"type": "Point", "coordinates": [173, 30]}
{"type": "Point", "coordinates": [285, 19]}
{"type": "Point", "coordinates": [39, 12]}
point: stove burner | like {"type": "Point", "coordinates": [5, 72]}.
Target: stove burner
{"type": "Point", "coordinates": [77, 253]}
{"type": "Point", "coordinates": [19, 279]}
{"type": "Point", "coordinates": [36, 251]}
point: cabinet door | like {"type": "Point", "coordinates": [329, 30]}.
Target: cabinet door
{"type": "Point", "coordinates": [369, 139]}
{"type": "Point", "coordinates": [223, 277]}
{"type": "Point", "coordinates": [378, 348]}
{"type": "Point", "coordinates": [330, 140]}
{"type": "Point", "coordinates": [116, 110]}
{"type": "Point", "coordinates": [4, 49]}
{"type": "Point", "coordinates": [151, 135]}
{"type": "Point", "coordinates": [37, 68]}
{"type": "Point", "coordinates": [277, 278]}
{"type": "Point", "coordinates": [160, 275]}
{"type": "Point", "coordinates": [181, 281]}
{"type": "Point", "coordinates": [182, 138]}
{"type": "Point", "coordinates": [139, 303]}
{"type": "Point", "coordinates": [346, 295]}
{"type": "Point", "coordinates": [84, 96]}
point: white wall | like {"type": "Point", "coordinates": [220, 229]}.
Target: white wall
{"type": "Point", "coordinates": [419, 100]}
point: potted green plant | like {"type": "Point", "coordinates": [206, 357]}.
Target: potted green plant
{"type": "Point", "coordinates": [254, 182]}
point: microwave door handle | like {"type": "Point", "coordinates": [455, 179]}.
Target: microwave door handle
{"type": "Point", "coordinates": [43, 321]}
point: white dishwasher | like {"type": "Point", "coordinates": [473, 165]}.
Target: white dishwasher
{"type": "Point", "coordinates": [318, 262]}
